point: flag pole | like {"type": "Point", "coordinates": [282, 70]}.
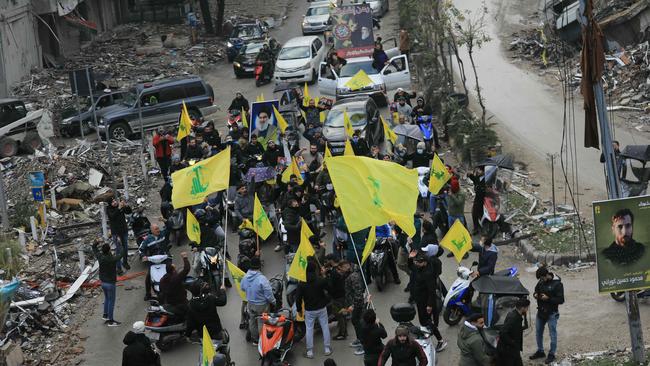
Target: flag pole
{"type": "Point", "coordinates": [225, 239]}
{"type": "Point", "coordinates": [363, 276]}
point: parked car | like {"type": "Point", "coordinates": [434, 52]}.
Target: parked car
{"type": "Point", "coordinates": [394, 75]}
{"type": "Point", "coordinates": [18, 128]}
{"type": "Point", "coordinates": [364, 116]}
{"type": "Point", "coordinates": [244, 64]}
{"type": "Point", "coordinates": [299, 59]}
{"type": "Point", "coordinates": [379, 7]}
{"type": "Point", "coordinates": [70, 126]}
{"type": "Point", "coordinates": [161, 106]}
{"type": "Point", "coordinates": [243, 33]}
{"type": "Point", "coordinates": [318, 18]}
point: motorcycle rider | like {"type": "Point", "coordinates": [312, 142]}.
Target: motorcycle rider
{"type": "Point", "coordinates": [292, 223]}
{"type": "Point", "coordinates": [312, 113]}
{"type": "Point", "coordinates": [239, 103]}
{"type": "Point", "coordinates": [421, 109]}
{"type": "Point", "coordinates": [477, 178]}
{"type": "Point", "coordinates": [420, 158]}
{"type": "Point", "coordinates": [404, 94]}
{"type": "Point", "coordinates": [403, 350]}
{"type": "Point", "coordinates": [202, 310]}
{"type": "Point", "coordinates": [272, 154]}
{"type": "Point", "coordinates": [266, 57]}
{"type": "Point", "coordinates": [359, 145]}
{"type": "Point", "coordinates": [487, 258]}
{"type": "Point", "coordinates": [259, 295]}
{"type": "Point", "coordinates": [549, 293]}
{"type": "Point", "coordinates": [116, 212]}
{"type": "Point", "coordinates": [194, 150]}
{"type": "Point", "coordinates": [254, 147]}
{"type": "Point", "coordinates": [212, 138]}
{"type": "Point", "coordinates": [157, 242]}
{"type": "Point", "coordinates": [243, 204]}
{"type": "Point", "coordinates": [385, 232]}
{"type": "Point", "coordinates": [404, 109]}
{"type": "Point", "coordinates": [138, 350]}
{"type": "Point", "coordinates": [172, 289]}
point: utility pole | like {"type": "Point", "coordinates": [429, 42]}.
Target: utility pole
{"type": "Point", "coordinates": [552, 157]}
{"type": "Point", "coordinates": [3, 204]}
{"type": "Point", "coordinates": [614, 192]}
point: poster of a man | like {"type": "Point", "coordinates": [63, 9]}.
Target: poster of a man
{"type": "Point", "coordinates": [622, 259]}
{"type": "Point", "coordinates": [352, 31]}
{"type": "Point", "coordinates": [263, 124]}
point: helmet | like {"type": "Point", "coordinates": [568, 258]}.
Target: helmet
{"type": "Point", "coordinates": [420, 145]}
{"type": "Point", "coordinates": [199, 214]}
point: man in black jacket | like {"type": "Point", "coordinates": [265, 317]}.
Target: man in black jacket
{"type": "Point", "coordinates": [172, 288]}
{"type": "Point", "coordinates": [108, 277]}
{"type": "Point", "coordinates": [549, 293]}
{"type": "Point", "coordinates": [487, 258]}
{"type": "Point", "coordinates": [372, 332]}
{"type": "Point", "coordinates": [336, 279]}
{"type": "Point", "coordinates": [291, 221]}
{"type": "Point", "coordinates": [119, 230]}
{"type": "Point", "coordinates": [239, 103]}
{"type": "Point", "coordinates": [511, 335]}
{"type": "Point", "coordinates": [138, 350]}
{"type": "Point", "coordinates": [404, 350]}
{"type": "Point", "coordinates": [314, 294]}
{"type": "Point", "coordinates": [203, 310]}
{"type": "Point", "coordinates": [478, 180]}
{"type": "Point", "coordinates": [423, 292]}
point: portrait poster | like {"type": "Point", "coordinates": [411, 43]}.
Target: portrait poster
{"type": "Point", "coordinates": [269, 129]}
{"type": "Point", "coordinates": [352, 31]}
{"type": "Point", "coordinates": [621, 234]}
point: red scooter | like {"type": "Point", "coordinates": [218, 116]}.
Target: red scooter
{"type": "Point", "coordinates": [276, 338]}
{"type": "Point", "coordinates": [263, 73]}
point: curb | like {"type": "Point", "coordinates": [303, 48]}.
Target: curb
{"type": "Point", "coordinates": [534, 256]}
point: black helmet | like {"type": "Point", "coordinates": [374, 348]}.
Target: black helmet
{"type": "Point", "coordinates": [199, 214]}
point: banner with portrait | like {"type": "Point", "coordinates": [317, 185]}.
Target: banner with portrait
{"type": "Point", "coordinates": [352, 31]}
{"type": "Point", "coordinates": [621, 234]}
{"type": "Point", "coordinates": [263, 123]}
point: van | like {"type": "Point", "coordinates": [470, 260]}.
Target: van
{"type": "Point", "coordinates": [364, 117]}
{"type": "Point", "coordinates": [299, 59]}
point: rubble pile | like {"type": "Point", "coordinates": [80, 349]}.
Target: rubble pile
{"type": "Point", "coordinates": [544, 51]}
{"type": "Point", "coordinates": [121, 57]}
{"type": "Point", "coordinates": [59, 262]}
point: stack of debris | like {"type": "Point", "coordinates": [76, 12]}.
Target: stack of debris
{"type": "Point", "coordinates": [544, 51]}
{"type": "Point", "coordinates": [57, 280]}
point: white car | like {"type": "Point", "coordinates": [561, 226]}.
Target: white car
{"type": "Point", "coordinates": [394, 75]}
{"type": "Point", "coordinates": [318, 18]}
{"type": "Point", "coordinates": [378, 7]}
{"type": "Point", "coordinates": [299, 59]}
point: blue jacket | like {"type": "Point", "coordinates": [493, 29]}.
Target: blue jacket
{"type": "Point", "coordinates": [487, 260]}
{"type": "Point", "coordinates": [383, 231]}
{"type": "Point", "coordinates": [257, 288]}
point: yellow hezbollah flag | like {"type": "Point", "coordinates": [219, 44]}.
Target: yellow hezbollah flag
{"type": "Point", "coordinates": [261, 223]}
{"type": "Point", "coordinates": [185, 124]}
{"type": "Point", "coordinates": [282, 123]}
{"type": "Point", "coordinates": [208, 348]}
{"type": "Point", "coordinates": [322, 116]}
{"type": "Point", "coordinates": [305, 95]}
{"type": "Point", "coordinates": [458, 240]}
{"type": "Point", "coordinates": [193, 228]}
{"type": "Point", "coordinates": [244, 120]}
{"type": "Point", "coordinates": [438, 175]}
{"type": "Point", "coordinates": [292, 169]}
{"type": "Point", "coordinates": [347, 124]}
{"type": "Point", "coordinates": [359, 80]}
{"type": "Point", "coordinates": [298, 268]}
{"type": "Point", "coordinates": [349, 151]}
{"type": "Point", "coordinates": [305, 230]}
{"type": "Point", "coordinates": [370, 244]}
{"type": "Point", "coordinates": [395, 118]}
{"type": "Point", "coordinates": [194, 183]}
{"type": "Point", "coordinates": [237, 275]}
{"type": "Point", "coordinates": [388, 133]}
{"type": "Point", "coordinates": [328, 153]}
{"type": "Point", "coordinates": [373, 192]}
{"type": "Point", "coordinates": [260, 98]}
{"type": "Point", "coordinates": [247, 224]}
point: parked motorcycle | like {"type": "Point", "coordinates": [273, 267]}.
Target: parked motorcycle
{"type": "Point", "coordinates": [176, 226]}
{"type": "Point", "coordinates": [404, 315]}
{"type": "Point", "coordinates": [211, 267]}
{"type": "Point", "coordinates": [276, 338]}
{"type": "Point", "coordinates": [383, 252]}
{"type": "Point", "coordinates": [263, 73]}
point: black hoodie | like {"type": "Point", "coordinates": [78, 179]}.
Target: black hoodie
{"type": "Point", "coordinates": [203, 311]}
{"type": "Point", "coordinates": [314, 292]}
{"type": "Point", "coordinates": [138, 351]}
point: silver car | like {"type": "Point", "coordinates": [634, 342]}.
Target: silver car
{"type": "Point", "coordinates": [379, 7]}
{"type": "Point", "coordinates": [318, 19]}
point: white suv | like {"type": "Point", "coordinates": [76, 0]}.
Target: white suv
{"type": "Point", "coordinates": [299, 59]}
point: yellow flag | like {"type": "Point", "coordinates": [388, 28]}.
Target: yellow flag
{"type": "Point", "coordinates": [305, 95]}
{"type": "Point", "coordinates": [304, 115]}
{"type": "Point", "coordinates": [193, 228]}
{"type": "Point", "coordinates": [292, 169]}
{"type": "Point", "coordinates": [328, 153]}
{"type": "Point", "coordinates": [439, 175]}
{"type": "Point", "coordinates": [349, 151]}
{"type": "Point", "coordinates": [282, 123]}
{"type": "Point", "coordinates": [305, 230]}
{"type": "Point", "coordinates": [347, 124]}
{"type": "Point", "coordinates": [395, 118]}
{"type": "Point", "coordinates": [194, 183]}
{"type": "Point", "coordinates": [261, 222]}
{"type": "Point", "coordinates": [370, 244]}
{"type": "Point", "coordinates": [208, 349]}
{"type": "Point", "coordinates": [298, 268]}
{"type": "Point", "coordinates": [373, 192]}
{"type": "Point", "coordinates": [260, 98]}
{"type": "Point", "coordinates": [458, 240]}
{"type": "Point", "coordinates": [237, 275]}
{"type": "Point", "coordinates": [247, 224]}
{"type": "Point", "coordinates": [185, 124]}
{"type": "Point", "coordinates": [359, 80]}
{"type": "Point", "coordinates": [244, 120]}
{"type": "Point", "coordinates": [322, 116]}
{"type": "Point", "coordinates": [388, 133]}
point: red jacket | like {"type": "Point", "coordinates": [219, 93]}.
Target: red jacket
{"type": "Point", "coordinates": [163, 146]}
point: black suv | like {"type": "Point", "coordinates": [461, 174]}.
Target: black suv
{"type": "Point", "coordinates": [364, 116]}
{"type": "Point", "coordinates": [242, 33]}
{"type": "Point", "coordinates": [69, 125]}
{"type": "Point", "coordinates": [161, 103]}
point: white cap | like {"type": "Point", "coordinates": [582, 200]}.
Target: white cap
{"type": "Point", "coordinates": [138, 327]}
{"type": "Point", "coordinates": [430, 250]}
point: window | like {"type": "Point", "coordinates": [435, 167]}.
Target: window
{"type": "Point", "coordinates": [103, 102]}
{"type": "Point", "coordinates": [117, 97]}
{"type": "Point", "coordinates": [318, 44]}
{"type": "Point", "coordinates": [171, 94]}
{"type": "Point", "coordinates": [11, 112]}
{"type": "Point", "coordinates": [194, 89]}
{"type": "Point", "coordinates": [294, 53]}
{"type": "Point", "coordinates": [351, 69]}
{"type": "Point", "coordinates": [150, 99]}
{"type": "Point", "coordinates": [321, 10]}
{"type": "Point", "coordinates": [357, 117]}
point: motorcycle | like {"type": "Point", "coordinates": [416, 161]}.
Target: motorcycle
{"type": "Point", "coordinates": [458, 302]}
{"type": "Point", "coordinates": [157, 269]}
{"type": "Point", "coordinates": [140, 225]}
{"type": "Point", "coordinates": [326, 198]}
{"type": "Point", "coordinates": [176, 225]}
{"type": "Point", "coordinates": [221, 349]}
{"type": "Point", "coordinates": [492, 221]}
{"type": "Point", "coordinates": [234, 118]}
{"type": "Point", "coordinates": [428, 131]}
{"type": "Point", "coordinates": [404, 315]}
{"type": "Point", "coordinates": [263, 73]}
{"type": "Point", "coordinates": [383, 252]}
{"type": "Point", "coordinates": [211, 267]}
{"type": "Point", "coordinates": [620, 296]}
{"type": "Point", "coordinates": [276, 338]}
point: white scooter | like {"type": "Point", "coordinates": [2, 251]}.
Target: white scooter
{"type": "Point", "coordinates": [404, 315]}
{"type": "Point", "coordinates": [157, 270]}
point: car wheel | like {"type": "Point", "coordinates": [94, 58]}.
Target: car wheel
{"type": "Point", "coordinates": [119, 131]}
{"type": "Point", "coordinates": [8, 147]}
{"type": "Point", "coordinates": [31, 143]}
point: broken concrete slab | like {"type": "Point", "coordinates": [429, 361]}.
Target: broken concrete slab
{"type": "Point", "coordinates": [95, 177]}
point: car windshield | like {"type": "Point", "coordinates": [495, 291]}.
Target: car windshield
{"type": "Point", "coordinates": [351, 69]}
{"type": "Point", "coordinates": [252, 48]}
{"type": "Point", "coordinates": [246, 31]}
{"type": "Point", "coordinates": [335, 117]}
{"type": "Point", "coordinates": [130, 97]}
{"type": "Point", "coordinates": [294, 53]}
{"type": "Point", "coordinates": [321, 10]}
